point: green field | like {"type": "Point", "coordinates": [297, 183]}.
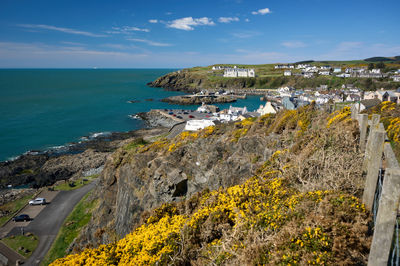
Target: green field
{"type": "Point", "coordinates": [29, 243]}
{"type": "Point", "coordinates": [75, 184]}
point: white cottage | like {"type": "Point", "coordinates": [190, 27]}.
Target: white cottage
{"type": "Point", "coordinates": [193, 125]}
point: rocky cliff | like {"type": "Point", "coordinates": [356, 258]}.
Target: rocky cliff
{"type": "Point", "coordinates": [299, 173]}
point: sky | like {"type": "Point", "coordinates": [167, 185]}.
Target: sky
{"type": "Point", "coordinates": [187, 33]}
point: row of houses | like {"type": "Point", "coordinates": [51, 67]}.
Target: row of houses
{"type": "Point", "coordinates": [239, 72]}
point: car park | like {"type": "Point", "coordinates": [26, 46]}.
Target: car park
{"type": "Point", "coordinates": [37, 201]}
{"type": "Point", "coordinates": [21, 218]}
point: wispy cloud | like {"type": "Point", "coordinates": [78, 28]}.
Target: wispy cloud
{"type": "Point", "coordinates": [189, 23]}
{"type": "Point", "coordinates": [151, 43]}
{"type": "Point", "coordinates": [73, 43]}
{"type": "Point", "coordinates": [359, 50]}
{"type": "Point", "coordinates": [261, 11]}
{"type": "Point", "coordinates": [247, 20]}
{"type": "Point", "coordinates": [153, 20]}
{"type": "Point", "coordinates": [119, 46]}
{"type": "Point", "coordinates": [246, 34]}
{"type": "Point", "coordinates": [126, 30]}
{"type": "Point", "coordinates": [294, 44]}
{"type": "Point", "coordinates": [60, 29]}
{"type": "Point", "coordinates": [228, 19]}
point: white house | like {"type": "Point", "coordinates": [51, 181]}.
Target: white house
{"type": "Point", "coordinates": [237, 110]}
{"type": "Point", "coordinates": [267, 109]}
{"type": "Point", "coordinates": [375, 71]}
{"type": "Point", "coordinates": [239, 72]}
{"type": "Point", "coordinates": [337, 70]}
{"type": "Point", "coordinates": [193, 125]}
{"type": "Point", "coordinates": [325, 73]}
{"type": "Point", "coordinates": [287, 73]}
{"type": "Point", "coordinates": [396, 78]}
{"type": "Point", "coordinates": [286, 91]}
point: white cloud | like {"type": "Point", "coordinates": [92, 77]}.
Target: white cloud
{"type": "Point", "coordinates": [228, 19]}
{"type": "Point", "coordinates": [247, 20]}
{"type": "Point", "coordinates": [151, 43]}
{"type": "Point", "coordinates": [60, 29]}
{"type": "Point", "coordinates": [126, 30]}
{"type": "Point", "coordinates": [188, 23]}
{"type": "Point", "coordinates": [261, 11]}
{"type": "Point", "coordinates": [294, 44]}
{"type": "Point", "coordinates": [153, 20]}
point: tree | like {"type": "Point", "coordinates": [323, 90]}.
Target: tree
{"type": "Point", "coordinates": [380, 65]}
{"type": "Point", "coordinates": [371, 66]}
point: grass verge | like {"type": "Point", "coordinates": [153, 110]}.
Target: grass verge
{"type": "Point", "coordinates": [23, 244]}
{"type": "Point", "coordinates": [78, 218]}
{"type": "Point", "coordinates": [76, 184]}
{"type": "Point", "coordinates": [12, 207]}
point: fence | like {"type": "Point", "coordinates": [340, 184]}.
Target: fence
{"type": "Point", "coordinates": [382, 190]}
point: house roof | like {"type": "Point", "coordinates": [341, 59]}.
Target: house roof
{"type": "Point", "coordinates": [370, 103]}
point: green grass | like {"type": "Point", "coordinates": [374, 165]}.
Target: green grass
{"type": "Point", "coordinates": [77, 184]}
{"type": "Point", "coordinates": [78, 218]}
{"type": "Point", "coordinates": [13, 207]}
{"type": "Point", "coordinates": [28, 242]}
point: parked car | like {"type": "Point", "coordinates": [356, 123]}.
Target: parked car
{"type": "Point", "coordinates": [185, 113]}
{"type": "Point", "coordinates": [37, 201]}
{"type": "Point", "coordinates": [179, 117]}
{"type": "Point", "coordinates": [171, 113]}
{"type": "Point", "coordinates": [21, 218]}
{"type": "Point", "coordinates": [190, 116]}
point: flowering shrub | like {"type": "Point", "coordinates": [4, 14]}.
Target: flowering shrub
{"type": "Point", "coordinates": [339, 116]}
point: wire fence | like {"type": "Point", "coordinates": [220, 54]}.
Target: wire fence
{"type": "Point", "coordinates": [394, 257]}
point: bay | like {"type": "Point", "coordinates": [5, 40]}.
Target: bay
{"type": "Point", "coordinates": [43, 108]}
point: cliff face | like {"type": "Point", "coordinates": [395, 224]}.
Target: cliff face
{"type": "Point", "coordinates": [139, 179]}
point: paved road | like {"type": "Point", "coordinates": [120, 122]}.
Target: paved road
{"type": "Point", "coordinates": [49, 221]}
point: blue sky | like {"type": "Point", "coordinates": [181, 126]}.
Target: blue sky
{"type": "Point", "coordinates": [184, 33]}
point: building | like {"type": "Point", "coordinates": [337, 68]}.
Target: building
{"type": "Point", "coordinates": [193, 125]}
{"type": "Point", "coordinates": [237, 110]}
{"type": "Point", "coordinates": [287, 73]}
{"type": "Point", "coordinates": [396, 78]}
{"type": "Point", "coordinates": [239, 72]}
{"type": "Point", "coordinates": [267, 109]}
{"type": "Point", "coordinates": [292, 103]}
{"type": "Point", "coordinates": [286, 91]}
{"type": "Point", "coordinates": [384, 96]}
{"type": "Point", "coordinates": [366, 104]}
{"type": "Point", "coordinates": [337, 70]}
{"type": "Point", "coordinates": [325, 73]}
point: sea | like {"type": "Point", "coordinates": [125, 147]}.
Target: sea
{"type": "Point", "coordinates": [43, 109]}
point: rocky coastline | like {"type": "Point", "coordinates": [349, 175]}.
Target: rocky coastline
{"type": "Point", "coordinates": [199, 99]}
{"type": "Point", "coordinates": [43, 168]}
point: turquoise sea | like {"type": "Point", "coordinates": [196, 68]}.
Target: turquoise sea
{"type": "Point", "coordinates": [44, 108]}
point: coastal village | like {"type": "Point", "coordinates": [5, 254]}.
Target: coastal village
{"type": "Point", "coordinates": [287, 97]}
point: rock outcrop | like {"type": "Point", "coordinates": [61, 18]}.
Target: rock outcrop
{"type": "Point", "coordinates": [132, 183]}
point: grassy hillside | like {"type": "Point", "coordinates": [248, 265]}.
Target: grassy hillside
{"type": "Point", "coordinates": [300, 207]}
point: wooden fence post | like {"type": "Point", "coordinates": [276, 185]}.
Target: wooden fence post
{"type": "Point", "coordinates": [377, 142]}
{"type": "Point", "coordinates": [386, 219]}
{"type": "Point", "coordinates": [363, 122]}
{"type": "Point", "coordinates": [374, 126]}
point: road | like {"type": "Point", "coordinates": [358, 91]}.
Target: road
{"type": "Point", "coordinates": [49, 221]}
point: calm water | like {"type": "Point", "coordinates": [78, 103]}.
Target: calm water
{"type": "Point", "coordinates": [44, 108]}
